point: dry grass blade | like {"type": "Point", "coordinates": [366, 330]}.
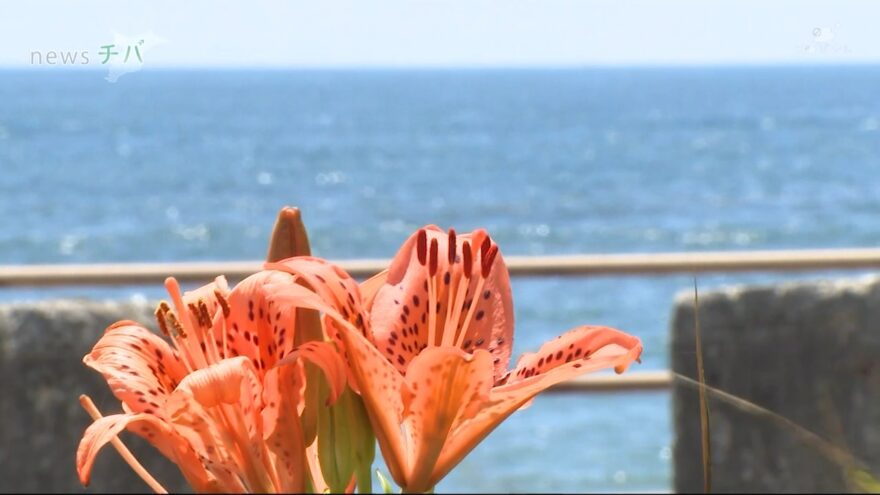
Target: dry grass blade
{"type": "Point", "coordinates": [828, 449]}
{"type": "Point", "coordinates": [704, 404]}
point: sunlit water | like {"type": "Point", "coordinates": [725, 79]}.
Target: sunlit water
{"type": "Point", "coordinates": [194, 166]}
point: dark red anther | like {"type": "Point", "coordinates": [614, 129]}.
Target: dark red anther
{"type": "Point", "coordinates": [451, 252]}
{"type": "Point", "coordinates": [484, 247]}
{"type": "Point", "coordinates": [204, 314]}
{"type": "Point", "coordinates": [422, 246]}
{"type": "Point", "coordinates": [224, 304]}
{"type": "Point", "coordinates": [195, 311]}
{"type": "Point", "coordinates": [432, 260]}
{"type": "Point", "coordinates": [487, 260]}
{"type": "Point", "coordinates": [160, 319]}
{"type": "Point", "coordinates": [175, 324]}
{"type": "Point", "coordinates": [468, 259]}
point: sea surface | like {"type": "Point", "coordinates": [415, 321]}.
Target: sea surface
{"type": "Point", "coordinates": [194, 165]}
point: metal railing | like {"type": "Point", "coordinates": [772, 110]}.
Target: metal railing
{"type": "Point", "coordinates": [573, 265]}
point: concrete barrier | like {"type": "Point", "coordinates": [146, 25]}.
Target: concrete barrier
{"type": "Point", "coordinates": [808, 351]}
{"type": "Point", "coordinates": [41, 378]}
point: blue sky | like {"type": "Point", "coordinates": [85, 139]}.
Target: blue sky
{"type": "Point", "coordinates": [220, 33]}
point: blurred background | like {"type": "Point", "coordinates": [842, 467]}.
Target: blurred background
{"type": "Point", "coordinates": [561, 127]}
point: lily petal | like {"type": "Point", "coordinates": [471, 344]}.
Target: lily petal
{"type": "Point", "coordinates": [371, 286]}
{"type": "Point", "coordinates": [158, 433]}
{"type": "Point", "coordinates": [447, 387]}
{"type": "Point", "coordinates": [139, 366]}
{"type": "Point", "coordinates": [283, 391]}
{"type": "Point", "coordinates": [218, 409]}
{"type": "Point", "coordinates": [557, 361]}
{"type": "Point", "coordinates": [338, 290]}
{"type": "Point", "coordinates": [255, 327]}
{"type": "Point", "coordinates": [332, 283]}
{"type": "Point", "coordinates": [579, 348]}
{"type": "Point", "coordinates": [379, 381]}
{"type": "Point", "coordinates": [454, 285]}
{"type": "Point", "coordinates": [325, 356]}
{"type": "Point", "coordinates": [381, 387]}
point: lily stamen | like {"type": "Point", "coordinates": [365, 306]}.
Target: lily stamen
{"type": "Point", "coordinates": [422, 247]}
{"type": "Point", "coordinates": [120, 447]}
{"type": "Point", "coordinates": [160, 320]}
{"type": "Point", "coordinates": [179, 332]}
{"type": "Point", "coordinates": [432, 294]}
{"type": "Point", "coordinates": [459, 288]}
{"type": "Point", "coordinates": [224, 304]}
{"type": "Point", "coordinates": [487, 257]}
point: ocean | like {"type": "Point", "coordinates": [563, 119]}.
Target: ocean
{"type": "Point", "coordinates": [194, 165]}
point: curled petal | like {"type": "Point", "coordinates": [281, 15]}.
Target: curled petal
{"type": "Point", "coordinates": [101, 432]}
{"type": "Point", "coordinates": [600, 348]}
{"type": "Point", "coordinates": [217, 384]}
{"type": "Point", "coordinates": [336, 287]}
{"type": "Point", "coordinates": [325, 356]}
{"type": "Point", "coordinates": [139, 366]}
{"type": "Point", "coordinates": [283, 432]}
{"type": "Point", "coordinates": [382, 389]}
{"type": "Point", "coordinates": [577, 349]}
{"type": "Point", "coordinates": [371, 286]}
{"type": "Point", "coordinates": [231, 386]}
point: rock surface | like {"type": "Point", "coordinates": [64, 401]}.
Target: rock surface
{"type": "Point", "coordinates": [41, 378]}
{"type": "Point", "coordinates": [807, 351]}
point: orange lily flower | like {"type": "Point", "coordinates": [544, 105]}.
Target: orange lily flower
{"type": "Point", "coordinates": [433, 369]}
{"type": "Point", "coordinates": [223, 400]}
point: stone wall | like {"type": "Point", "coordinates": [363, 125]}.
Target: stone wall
{"type": "Point", "coordinates": [808, 351]}
{"type": "Point", "coordinates": [41, 378]}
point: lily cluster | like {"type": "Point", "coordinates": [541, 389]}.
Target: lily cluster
{"type": "Point", "coordinates": [286, 382]}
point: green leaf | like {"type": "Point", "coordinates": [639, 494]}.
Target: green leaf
{"type": "Point", "coordinates": [384, 483]}
{"type": "Point", "coordinates": [864, 481]}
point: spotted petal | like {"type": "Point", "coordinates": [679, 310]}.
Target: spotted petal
{"type": "Point", "coordinates": [332, 283]}
{"type": "Point", "coordinates": [446, 387]}
{"type": "Point", "coordinates": [283, 390]}
{"type": "Point", "coordinates": [218, 409]}
{"type": "Point", "coordinates": [139, 366]}
{"type": "Point", "coordinates": [256, 327]}
{"type": "Point", "coordinates": [379, 382]}
{"type": "Point", "coordinates": [581, 350]}
{"type": "Point", "coordinates": [325, 356]}
{"type": "Point", "coordinates": [382, 388]}
{"type": "Point", "coordinates": [157, 432]}
{"type": "Point", "coordinates": [456, 286]}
